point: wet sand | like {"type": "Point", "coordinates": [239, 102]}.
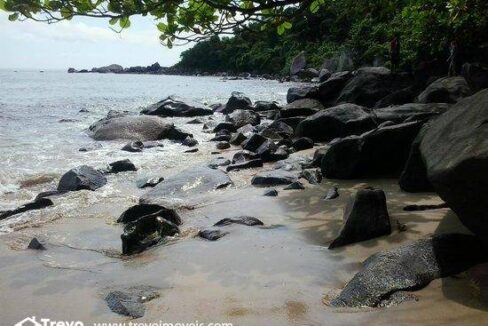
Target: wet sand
{"type": "Point", "coordinates": [278, 274]}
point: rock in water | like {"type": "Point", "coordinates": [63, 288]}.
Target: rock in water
{"type": "Point", "coordinates": [410, 267]}
{"type": "Point", "coordinates": [243, 220]}
{"type": "Point", "coordinates": [82, 178]}
{"type": "Point", "coordinates": [365, 217]}
{"type": "Point", "coordinates": [135, 146]}
{"type": "Point", "coordinates": [222, 145]}
{"type": "Point", "coordinates": [122, 166]}
{"type": "Point", "coordinates": [445, 90]}
{"type": "Point", "coordinates": [131, 127]}
{"type": "Point", "coordinates": [173, 106]}
{"type": "Point", "coordinates": [271, 193]}
{"type": "Point", "coordinates": [313, 176]}
{"type": "Point", "coordinates": [135, 212]}
{"type": "Point", "coordinates": [297, 185]}
{"type": "Point", "coordinates": [35, 245]}
{"type": "Point", "coordinates": [332, 193]}
{"type": "Point", "coordinates": [274, 178]}
{"type": "Point", "coordinates": [193, 181]}
{"type": "Point", "coordinates": [36, 204]}
{"type": "Point", "coordinates": [219, 161]}
{"type": "Point", "coordinates": [148, 182]}
{"type": "Point", "coordinates": [129, 302]}
{"type": "Point", "coordinates": [454, 148]}
{"type": "Point", "coordinates": [211, 235]}
{"type": "Point", "coordinates": [237, 101]}
{"type": "Point", "coordinates": [339, 121]}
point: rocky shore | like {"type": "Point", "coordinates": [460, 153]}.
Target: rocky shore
{"type": "Point", "coordinates": [335, 142]}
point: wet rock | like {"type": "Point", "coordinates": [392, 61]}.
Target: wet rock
{"type": "Point", "coordinates": [190, 182]}
{"type": "Point", "coordinates": [237, 139]}
{"type": "Point", "coordinates": [271, 193]}
{"type": "Point", "coordinates": [330, 89]}
{"type": "Point", "coordinates": [295, 163]}
{"type": "Point", "coordinates": [245, 165]}
{"type": "Point", "coordinates": [302, 143]}
{"type": "Point", "coordinates": [240, 118]}
{"type": "Point", "coordinates": [222, 138]}
{"type": "Point", "coordinates": [274, 178]}
{"type": "Point", "coordinates": [365, 217]}
{"type": "Point", "coordinates": [247, 130]}
{"type": "Point", "coordinates": [260, 106]}
{"type": "Point", "coordinates": [277, 130]}
{"type": "Point", "coordinates": [134, 146]}
{"type": "Point", "coordinates": [332, 193]}
{"type": "Point", "coordinates": [454, 149]}
{"type": "Point", "coordinates": [190, 142]}
{"type": "Point", "coordinates": [299, 93]}
{"type": "Point", "coordinates": [313, 176]}
{"type": "Point", "coordinates": [243, 156]}
{"type": "Point", "coordinates": [413, 111]}
{"type": "Point", "coordinates": [212, 235]}
{"type": "Point", "coordinates": [296, 185]}
{"type": "Point", "coordinates": [178, 135]}
{"type": "Point", "coordinates": [133, 213]}
{"type": "Point", "coordinates": [303, 107]}
{"type": "Point", "coordinates": [237, 101]}
{"type": "Point", "coordinates": [173, 106]}
{"type": "Point", "coordinates": [253, 142]}
{"type": "Point", "coordinates": [317, 156]}
{"type": "Point", "coordinates": [227, 126]}
{"type": "Point", "coordinates": [380, 152]}
{"type": "Point", "coordinates": [219, 161]}
{"type": "Point", "coordinates": [148, 182]}
{"type": "Point", "coordinates": [222, 145]}
{"type": "Point", "coordinates": [82, 178]}
{"type": "Point", "coordinates": [193, 150]}
{"type": "Point", "coordinates": [243, 220]}
{"type": "Point", "coordinates": [35, 245]}
{"type": "Point", "coordinates": [339, 121]}
{"type": "Point", "coordinates": [195, 121]}
{"type": "Point", "coordinates": [445, 90]}
{"type": "Point", "coordinates": [130, 302]}
{"type": "Point", "coordinates": [122, 166]}
{"type": "Point", "coordinates": [131, 127]}
{"type": "Point", "coordinates": [49, 193]}
{"type": "Point", "coordinates": [90, 147]}
{"type": "Point", "coordinates": [37, 204]}
{"type": "Point", "coordinates": [409, 267]}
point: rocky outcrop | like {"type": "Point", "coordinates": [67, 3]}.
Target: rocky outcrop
{"type": "Point", "coordinates": [365, 217]}
{"type": "Point", "coordinates": [410, 267]}
{"type": "Point", "coordinates": [445, 90]}
{"type": "Point", "coordinates": [113, 68]}
{"type": "Point", "coordinates": [82, 178]}
{"type": "Point", "coordinates": [339, 121]}
{"type": "Point", "coordinates": [454, 148]}
{"type": "Point", "coordinates": [380, 152]}
{"type": "Point", "coordinates": [173, 106]}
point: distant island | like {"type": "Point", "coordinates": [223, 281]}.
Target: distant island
{"type": "Point", "coordinates": [154, 69]}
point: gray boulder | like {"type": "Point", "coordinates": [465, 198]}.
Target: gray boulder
{"type": "Point", "coordinates": [240, 118]}
{"type": "Point", "coordinates": [365, 217]}
{"type": "Point", "coordinates": [445, 90]}
{"type": "Point", "coordinates": [298, 93]}
{"type": "Point", "coordinates": [237, 101]}
{"type": "Point", "coordinates": [302, 107]}
{"type": "Point", "coordinates": [82, 178]}
{"type": "Point", "coordinates": [298, 63]}
{"type": "Point", "coordinates": [274, 178]}
{"type": "Point", "coordinates": [454, 148]}
{"type": "Point", "coordinates": [129, 302]}
{"type": "Point", "coordinates": [173, 106]}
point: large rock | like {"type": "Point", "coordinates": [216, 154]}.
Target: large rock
{"type": "Point", "coordinates": [82, 178]}
{"type": "Point", "coordinates": [303, 107]}
{"type": "Point", "coordinates": [445, 90]}
{"type": "Point", "coordinates": [410, 267]}
{"type": "Point", "coordinates": [274, 178]}
{"type": "Point", "coordinates": [298, 93]}
{"type": "Point", "coordinates": [365, 217]}
{"type": "Point", "coordinates": [380, 152]}
{"type": "Point", "coordinates": [277, 130]}
{"type": "Point", "coordinates": [400, 113]}
{"type": "Point", "coordinates": [454, 148]}
{"type": "Point", "coordinates": [173, 106]}
{"type": "Point", "coordinates": [331, 88]}
{"type": "Point", "coordinates": [476, 75]}
{"type": "Point", "coordinates": [265, 106]}
{"type": "Point", "coordinates": [237, 101]}
{"type": "Point", "coordinates": [193, 181]}
{"type": "Point", "coordinates": [298, 63]}
{"type": "Point", "coordinates": [340, 121]}
{"type": "Point", "coordinates": [240, 118]}
{"type": "Point", "coordinates": [131, 127]}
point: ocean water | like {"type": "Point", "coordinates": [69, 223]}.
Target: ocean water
{"type": "Point", "coordinates": [42, 129]}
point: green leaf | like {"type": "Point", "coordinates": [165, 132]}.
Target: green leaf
{"type": "Point", "coordinates": [162, 27]}
{"type": "Point", "coordinates": [281, 29]}
{"type": "Point", "coordinates": [169, 43]}
{"type": "Point", "coordinates": [113, 21]}
{"type": "Point", "coordinates": [13, 17]}
{"type": "Point", "coordinates": [66, 13]}
{"type": "Point", "coordinates": [287, 25]}
{"type": "Point", "coordinates": [124, 22]}
{"type": "Point", "coordinates": [2, 4]}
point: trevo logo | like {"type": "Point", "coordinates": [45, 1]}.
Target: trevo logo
{"type": "Point", "coordinates": [32, 321]}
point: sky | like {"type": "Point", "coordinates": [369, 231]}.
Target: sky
{"type": "Point", "coordinates": [82, 43]}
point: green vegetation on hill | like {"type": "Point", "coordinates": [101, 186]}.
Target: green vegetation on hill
{"type": "Point", "coordinates": [359, 30]}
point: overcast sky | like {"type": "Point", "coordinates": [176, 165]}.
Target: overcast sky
{"type": "Point", "coordinates": [81, 43]}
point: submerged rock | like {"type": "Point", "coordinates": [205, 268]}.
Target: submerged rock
{"type": "Point", "coordinates": [332, 193]}
{"type": "Point", "coordinates": [122, 166]}
{"type": "Point", "coordinates": [243, 220]}
{"type": "Point", "coordinates": [135, 146]}
{"type": "Point", "coordinates": [365, 217]}
{"type": "Point", "coordinates": [296, 185]}
{"type": "Point", "coordinates": [212, 235]}
{"type": "Point", "coordinates": [410, 267]}
{"type": "Point", "coordinates": [173, 106]}
{"type": "Point", "coordinates": [129, 302]}
{"type": "Point", "coordinates": [35, 245]}
{"type": "Point", "coordinates": [36, 204]}
{"type": "Point", "coordinates": [135, 212]}
{"type": "Point", "coordinates": [82, 178]}
{"type": "Point", "coordinates": [271, 193]}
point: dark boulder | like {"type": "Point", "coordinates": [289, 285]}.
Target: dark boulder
{"type": "Point", "coordinates": [178, 135]}
{"type": "Point", "coordinates": [399, 97]}
{"type": "Point", "coordinates": [274, 178]}
{"type": "Point", "coordinates": [318, 156]}
{"type": "Point", "coordinates": [445, 90]}
{"type": "Point", "coordinates": [173, 106]}
{"type": "Point", "coordinates": [265, 106]}
{"type": "Point", "coordinates": [240, 118]}
{"type": "Point", "coordinates": [365, 217]}
{"type": "Point", "coordinates": [243, 156]}
{"type": "Point", "coordinates": [277, 130]}
{"type": "Point", "coordinates": [122, 166]}
{"type": "Point", "coordinates": [253, 142]}
{"type": "Point", "coordinates": [212, 235]}
{"type": "Point", "coordinates": [82, 178]}
{"type": "Point", "coordinates": [339, 121]}
{"type": "Point", "coordinates": [303, 107]}
{"type": "Point", "coordinates": [222, 145]}
{"type": "Point", "coordinates": [148, 182]}
{"type": "Point", "coordinates": [302, 143]}
{"type": "Point", "coordinates": [34, 244]}
{"type": "Point", "coordinates": [222, 138]}
{"type": "Point", "coordinates": [292, 121]}
{"type": "Point", "coordinates": [296, 185]}
{"type": "Point", "coordinates": [271, 193]}
{"type": "Point", "coordinates": [332, 193]}
{"type": "Point", "coordinates": [380, 152]}
{"type": "Point", "coordinates": [330, 89]}
{"type": "Point", "coordinates": [37, 204]}
{"type": "Point", "coordinates": [237, 101]}
{"type": "Point", "coordinates": [237, 139]}
{"type": "Point", "coordinates": [299, 93]}
{"type": "Point", "coordinates": [476, 75]}
{"type": "Point", "coordinates": [454, 148]}
{"type": "Point", "coordinates": [242, 220]}
{"type": "Point", "coordinates": [245, 165]}
{"type": "Point", "coordinates": [195, 121]}
{"type": "Point", "coordinates": [135, 212]}
{"type": "Point", "coordinates": [190, 142]}
{"type": "Point", "coordinates": [313, 176]}
{"type": "Point", "coordinates": [412, 111]}
{"type": "Point", "coordinates": [410, 267]}
{"type": "Point", "coordinates": [226, 126]}
{"type": "Point", "coordinates": [298, 63]}
{"type": "Point", "coordinates": [134, 146]}
{"type": "Point", "coordinates": [129, 302]}
{"type": "Point", "coordinates": [324, 74]}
